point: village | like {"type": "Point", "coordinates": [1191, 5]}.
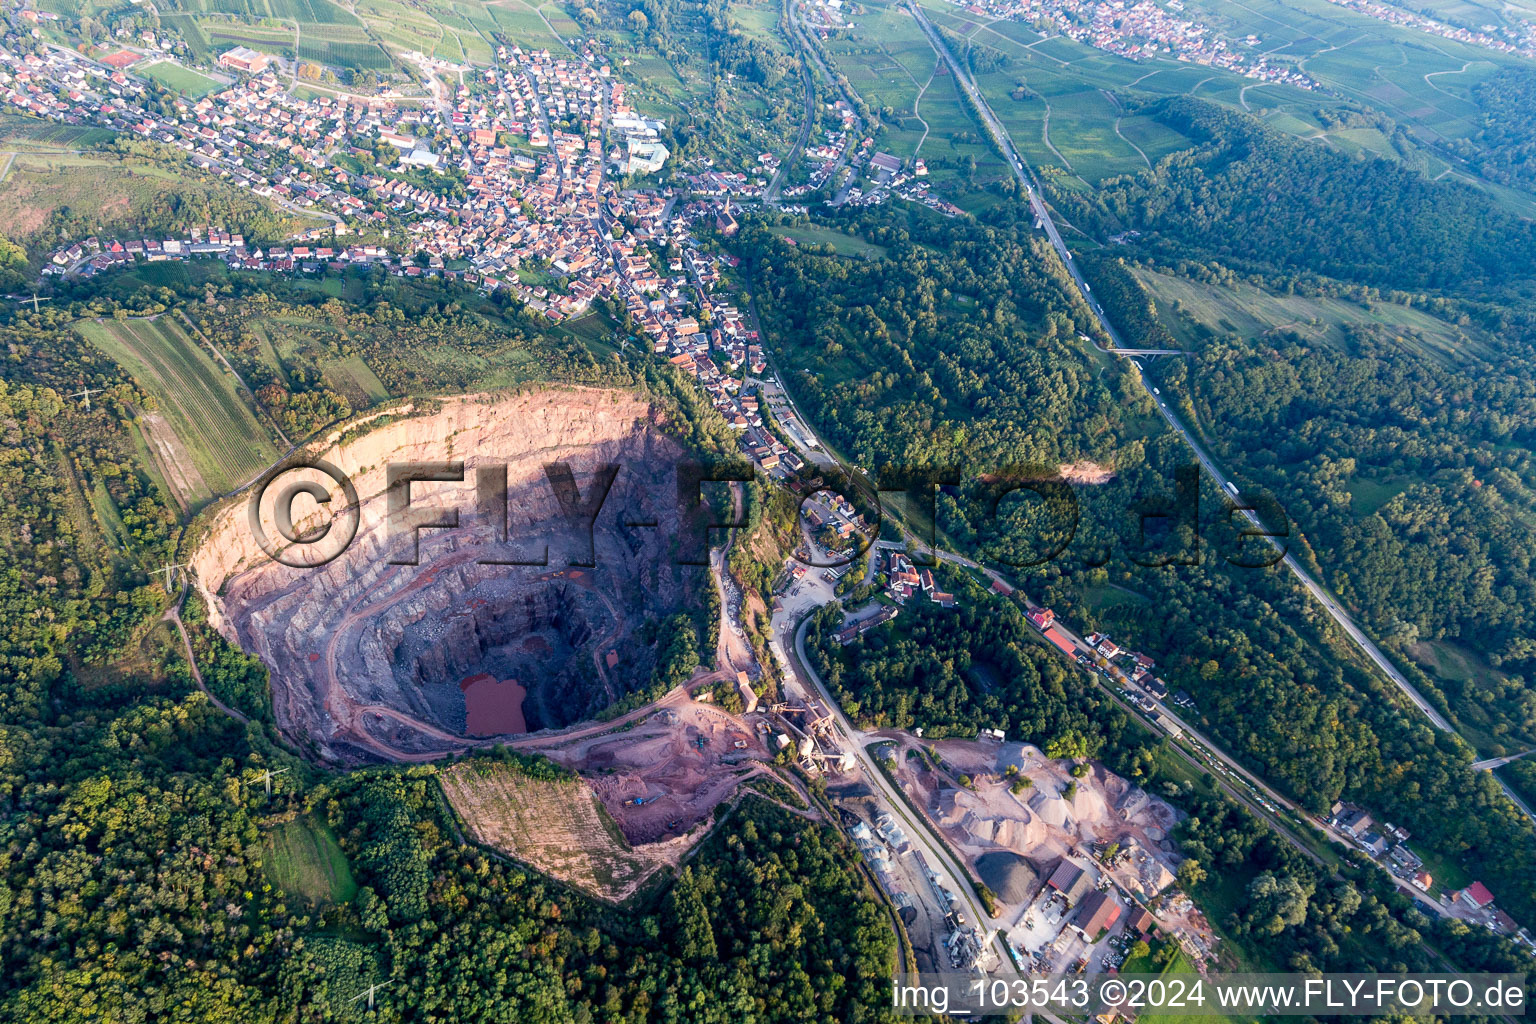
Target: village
{"type": "Point", "coordinates": [1142, 29]}
{"type": "Point", "coordinates": [1516, 37]}
{"type": "Point", "coordinates": [542, 146]}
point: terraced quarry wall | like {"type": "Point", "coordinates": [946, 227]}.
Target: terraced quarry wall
{"type": "Point", "coordinates": [371, 659]}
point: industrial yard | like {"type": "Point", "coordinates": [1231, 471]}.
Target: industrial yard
{"type": "Point", "coordinates": [1079, 859]}
{"type": "Point", "coordinates": [661, 778]}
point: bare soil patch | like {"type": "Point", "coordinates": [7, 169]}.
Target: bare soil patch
{"type": "Point", "coordinates": [557, 827]}
{"type": "Point", "coordinates": [187, 485]}
{"type": "Point", "coordinates": [1085, 472]}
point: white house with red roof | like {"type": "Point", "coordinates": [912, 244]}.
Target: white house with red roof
{"type": "Point", "coordinates": [1476, 896]}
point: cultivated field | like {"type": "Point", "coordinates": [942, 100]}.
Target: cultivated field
{"type": "Point", "coordinates": [302, 859]}
{"type": "Point", "coordinates": [362, 37]}
{"type": "Point", "coordinates": [306, 12]}
{"type": "Point", "coordinates": [193, 33]}
{"type": "Point", "coordinates": [272, 40]}
{"type": "Point", "coordinates": [352, 377]}
{"type": "Point", "coordinates": [461, 32]}
{"type": "Point", "coordinates": [557, 827]}
{"type": "Point", "coordinates": [1070, 118]}
{"type": "Point", "coordinates": [217, 430]}
{"type": "Point", "coordinates": [891, 64]}
{"type": "Point", "coordinates": [17, 131]}
{"type": "Point", "coordinates": [1252, 313]}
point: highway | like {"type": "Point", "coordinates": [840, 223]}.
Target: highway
{"type": "Point", "coordinates": [1043, 215]}
{"type": "Point", "coordinates": [1498, 762]}
{"type": "Point", "coordinates": [1313, 587]}
{"type": "Point", "coordinates": [1316, 589]}
{"type": "Point", "coordinates": [1516, 799]}
{"type": "Point", "coordinates": [857, 739]}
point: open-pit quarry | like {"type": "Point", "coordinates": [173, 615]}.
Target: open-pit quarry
{"type": "Point", "coordinates": [373, 659]}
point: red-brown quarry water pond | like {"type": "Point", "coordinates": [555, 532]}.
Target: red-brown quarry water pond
{"type": "Point", "coordinates": [492, 706]}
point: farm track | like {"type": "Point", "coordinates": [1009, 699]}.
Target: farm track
{"type": "Point", "coordinates": [173, 616]}
{"type": "Point", "coordinates": [1112, 99]}
{"type": "Point", "coordinates": [1045, 137]}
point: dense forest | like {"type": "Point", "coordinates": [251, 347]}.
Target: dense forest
{"type": "Point", "coordinates": [1289, 914]}
{"type": "Point", "coordinates": [1401, 469]}
{"type": "Point", "coordinates": [1252, 194]}
{"type": "Point", "coordinates": [1505, 147]}
{"type": "Point", "coordinates": [1406, 465]}
{"type": "Point", "coordinates": [1447, 554]}
{"type": "Point", "coordinates": [1439, 553]}
{"type": "Point", "coordinates": [961, 349]}
{"type": "Point", "coordinates": [139, 856]}
{"type": "Point", "coordinates": [745, 86]}
{"type": "Point", "coordinates": [905, 365]}
{"type": "Point", "coordinates": [138, 886]}
{"type": "Point", "coordinates": [955, 672]}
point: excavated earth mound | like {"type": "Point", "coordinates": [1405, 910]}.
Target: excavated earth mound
{"type": "Point", "coordinates": [371, 659]}
{"type": "Point", "coordinates": [1008, 875]}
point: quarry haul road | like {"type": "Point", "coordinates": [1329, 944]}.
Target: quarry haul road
{"type": "Point", "coordinates": [345, 712]}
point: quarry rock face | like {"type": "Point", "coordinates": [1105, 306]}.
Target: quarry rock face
{"type": "Point", "coordinates": [367, 655]}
